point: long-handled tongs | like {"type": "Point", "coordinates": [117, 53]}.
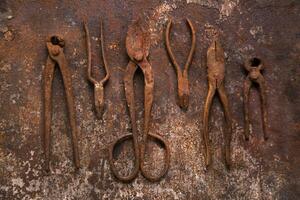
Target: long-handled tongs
{"type": "Point", "coordinates": [183, 82]}
{"type": "Point", "coordinates": [98, 85]}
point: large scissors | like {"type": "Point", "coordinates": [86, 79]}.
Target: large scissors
{"type": "Point", "coordinates": [137, 45]}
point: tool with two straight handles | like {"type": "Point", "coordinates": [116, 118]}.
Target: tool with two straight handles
{"type": "Point", "coordinates": [254, 66]}
{"type": "Point", "coordinates": [216, 75]}
{"type": "Point", "coordinates": [56, 56]}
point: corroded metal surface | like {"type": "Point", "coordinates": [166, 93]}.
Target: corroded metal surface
{"type": "Point", "coordinates": [260, 169]}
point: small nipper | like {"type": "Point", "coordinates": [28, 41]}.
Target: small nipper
{"type": "Point", "coordinates": [254, 66]}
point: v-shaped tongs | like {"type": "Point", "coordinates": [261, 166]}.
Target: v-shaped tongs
{"type": "Point", "coordinates": [183, 82]}
{"type": "Point", "coordinates": [98, 85]}
{"type": "Point", "coordinates": [254, 66]}
{"type": "Point", "coordinates": [216, 75]}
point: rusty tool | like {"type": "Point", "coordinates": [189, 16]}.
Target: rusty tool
{"type": "Point", "coordinates": [182, 77]}
{"type": "Point", "coordinates": [254, 66]}
{"type": "Point", "coordinates": [216, 75]}
{"type": "Point", "coordinates": [56, 57]}
{"type": "Point", "coordinates": [98, 85]}
{"type": "Point", "coordinates": [137, 45]}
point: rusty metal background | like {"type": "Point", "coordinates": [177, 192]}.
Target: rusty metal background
{"type": "Point", "coordinates": [269, 29]}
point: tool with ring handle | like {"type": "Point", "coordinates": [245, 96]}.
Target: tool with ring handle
{"type": "Point", "coordinates": [137, 45]}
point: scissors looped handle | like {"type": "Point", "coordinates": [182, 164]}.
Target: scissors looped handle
{"type": "Point", "coordinates": [165, 168]}
{"type": "Point", "coordinates": [139, 158]}
{"type": "Point", "coordinates": [135, 170]}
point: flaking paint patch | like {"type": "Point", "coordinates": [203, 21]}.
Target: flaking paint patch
{"type": "Point", "coordinates": [227, 7]}
{"type": "Point", "coordinates": [158, 19]}
{"type": "Point", "coordinates": [224, 7]}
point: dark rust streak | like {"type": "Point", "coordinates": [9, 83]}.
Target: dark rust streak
{"type": "Point", "coordinates": [137, 45]}
{"type": "Point", "coordinates": [254, 66]}
{"type": "Point", "coordinates": [216, 75]}
{"type": "Point", "coordinates": [183, 83]}
{"type": "Point", "coordinates": [98, 85]}
{"type": "Point", "coordinates": [56, 56]}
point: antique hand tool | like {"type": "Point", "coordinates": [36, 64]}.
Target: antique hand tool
{"type": "Point", "coordinates": [183, 82]}
{"type": "Point", "coordinates": [216, 75]}
{"type": "Point", "coordinates": [137, 45]}
{"type": "Point", "coordinates": [254, 66]}
{"type": "Point", "coordinates": [98, 85]}
{"type": "Point", "coordinates": [56, 57]}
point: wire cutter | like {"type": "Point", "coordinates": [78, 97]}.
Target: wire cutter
{"type": "Point", "coordinates": [98, 85]}
{"type": "Point", "coordinates": [56, 57]}
{"type": "Point", "coordinates": [216, 75]}
{"type": "Point", "coordinates": [254, 66]}
{"type": "Point", "coordinates": [137, 45]}
{"type": "Point", "coordinates": [183, 82]}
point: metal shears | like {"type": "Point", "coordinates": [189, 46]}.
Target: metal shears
{"type": "Point", "coordinates": [137, 46]}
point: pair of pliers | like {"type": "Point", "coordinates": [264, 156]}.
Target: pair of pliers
{"type": "Point", "coordinates": [216, 75]}
{"type": "Point", "coordinates": [56, 57]}
{"type": "Point", "coordinates": [137, 45]}
{"type": "Point", "coordinates": [182, 77]}
{"type": "Point", "coordinates": [254, 66]}
{"type": "Point", "coordinates": [98, 85]}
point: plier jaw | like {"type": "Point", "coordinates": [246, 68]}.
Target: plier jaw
{"type": "Point", "coordinates": [54, 45]}
{"type": "Point", "coordinates": [99, 99]}
{"type": "Point", "coordinates": [183, 93]}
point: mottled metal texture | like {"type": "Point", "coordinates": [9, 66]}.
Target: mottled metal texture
{"type": "Point", "coordinates": [260, 169]}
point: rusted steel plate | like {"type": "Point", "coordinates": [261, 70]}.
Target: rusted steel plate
{"type": "Point", "coordinates": [260, 169]}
